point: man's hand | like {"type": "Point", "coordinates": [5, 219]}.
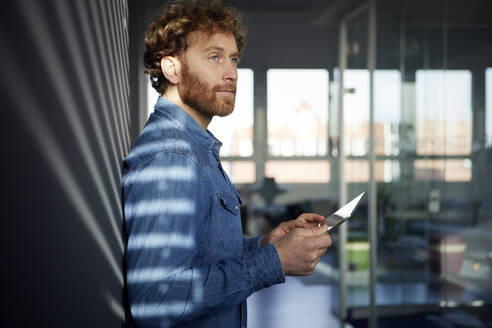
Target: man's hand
{"type": "Point", "coordinates": [308, 220]}
{"type": "Point", "coordinates": [301, 249]}
{"type": "Point", "coordinates": [305, 220]}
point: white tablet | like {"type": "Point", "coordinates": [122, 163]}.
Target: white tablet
{"type": "Point", "coordinates": [344, 213]}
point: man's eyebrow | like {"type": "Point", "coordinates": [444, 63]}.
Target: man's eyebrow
{"type": "Point", "coordinates": [220, 49]}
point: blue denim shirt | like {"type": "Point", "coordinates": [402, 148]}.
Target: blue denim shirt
{"type": "Point", "coordinates": [187, 263]}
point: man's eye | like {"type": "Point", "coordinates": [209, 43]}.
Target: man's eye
{"type": "Point", "coordinates": [214, 58]}
{"type": "Point", "coordinates": [235, 60]}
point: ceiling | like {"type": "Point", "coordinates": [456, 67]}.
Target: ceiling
{"type": "Point", "coordinates": [329, 12]}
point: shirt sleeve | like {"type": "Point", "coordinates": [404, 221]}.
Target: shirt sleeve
{"type": "Point", "coordinates": [164, 211]}
{"type": "Point", "coordinates": [250, 244]}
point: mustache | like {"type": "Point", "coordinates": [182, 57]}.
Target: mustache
{"type": "Point", "coordinates": [225, 87]}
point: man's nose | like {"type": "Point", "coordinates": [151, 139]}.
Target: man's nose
{"type": "Point", "coordinates": [230, 73]}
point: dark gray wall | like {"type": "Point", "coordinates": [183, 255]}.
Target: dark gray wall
{"type": "Point", "coordinates": [65, 127]}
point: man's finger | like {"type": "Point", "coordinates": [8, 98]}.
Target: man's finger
{"type": "Point", "coordinates": [313, 229]}
{"type": "Point", "coordinates": [287, 226]}
{"type": "Point", "coordinates": [311, 217]}
{"type": "Point", "coordinates": [308, 225]}
{"type": "Point", "coordinates": [320, 229]}
{"type": "Point", "coordinates": [323, 241]}
{"type": "Point", "coordinates": [320, 251]}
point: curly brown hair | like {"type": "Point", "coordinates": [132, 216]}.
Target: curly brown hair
{"type": "Point", "coordinates": [168, 34]}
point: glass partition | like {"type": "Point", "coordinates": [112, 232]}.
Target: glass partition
{"type": "Point", "coordinates": [434, 220]}
{"type": "Point", "coordinates": [432, 132]}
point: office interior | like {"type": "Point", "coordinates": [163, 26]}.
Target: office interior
{"type": "Point", "coordinates": [337, 97]}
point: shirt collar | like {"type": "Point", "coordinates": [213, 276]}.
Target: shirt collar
{"type": "Point", "coordinates": [188, 125]}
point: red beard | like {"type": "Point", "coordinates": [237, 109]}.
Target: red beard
{"type": "Point", "coordinates": [202, 97]}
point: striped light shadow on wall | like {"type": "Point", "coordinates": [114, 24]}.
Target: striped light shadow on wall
{"type": "Point", "coordinates": [64, 90]}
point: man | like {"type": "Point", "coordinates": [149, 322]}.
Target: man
{"type": "Point", "coordinates": [187, 262]}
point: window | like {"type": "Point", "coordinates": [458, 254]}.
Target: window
{"type": "Point", "coordinates": [444, 124]}
{"type": "Point", "coordinates": [443, 112]}
{"type": "Point", "coordinates": [387, 113]}
{"type": "Point", "coordinates": [356, 112]}
{"type": "Point", "coordinates": [240, 171]}
{"type": "Point", "coordinates": [297, 115]}
{"type": "Point", "coordinates": [448, 170]}
{"type": "Point", "coordinates": [299, 171]}
{"type": "Point", "coordinates": [297, 101]}
{"type": "Point", "coordinates": [384, 171]}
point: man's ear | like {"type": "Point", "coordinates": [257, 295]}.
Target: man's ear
{"type": "Point", "coordinates": [171, 69]}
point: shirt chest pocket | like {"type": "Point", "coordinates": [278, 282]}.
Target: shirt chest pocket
{"type": "Point", "coordinates": [229, 217]}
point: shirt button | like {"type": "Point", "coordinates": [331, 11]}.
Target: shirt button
{"type": "Point", "coordinates": [237, 207]}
